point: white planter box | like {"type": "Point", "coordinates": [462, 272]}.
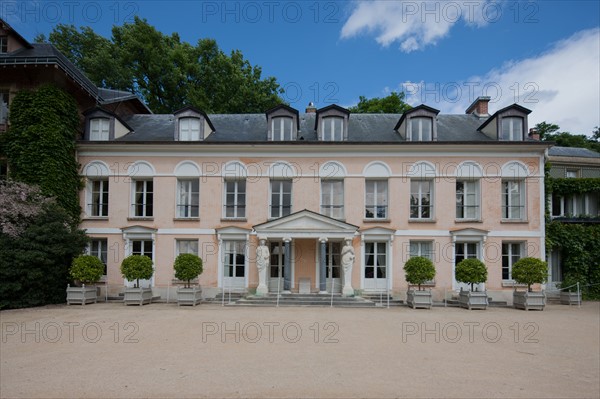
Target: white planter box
{"type": "Point", "coordinates": [419, 299]}
{"type": "Point", "coordinates": [137, 296]}
{"type": "Point", "coordinates": [529, 300]}
{"type": "Point", "coordinates": [570, 298]}
{"type": "Point", "coordinates": [81, 295]}
{"type": "Point", "coordinates": [473, 299]}
{"type": "Point", "coordinates": [189, 296]}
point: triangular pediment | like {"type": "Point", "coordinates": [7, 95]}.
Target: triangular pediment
{"type": "Point", "coordinates": [305, 224]}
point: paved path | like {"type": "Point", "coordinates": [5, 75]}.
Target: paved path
{"type": "Point", "coordinates": [160, 350]}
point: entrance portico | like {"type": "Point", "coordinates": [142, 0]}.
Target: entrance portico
{"type": "Point", "coordinates": [302, 241]}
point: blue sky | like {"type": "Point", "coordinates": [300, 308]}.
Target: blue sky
{"type": "Point", "coordinates": [544, 55]}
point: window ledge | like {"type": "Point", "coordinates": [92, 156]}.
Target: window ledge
{"type": "Point", "coordinates": [141, 218]}
{"type": "Point", "coordinates": [186, 219]}
{"type": "Point", "coordinates": [373, 220]}
{"type": "Point", "coordinates": [234, 220]}
{"type": "Point", "coordinates": [95, 218]}
{"type": "Point", "coordinates": [514, 221]}
{"type": "Point", "coordinates": [422, 221]}
{"type": "Point", "coordinates": [468, 221]}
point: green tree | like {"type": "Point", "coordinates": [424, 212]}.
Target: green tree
{"type": "Point", "coordinates": [545, 129]}
{"type": "Point", "coordinates": [166, 72]}
{"type": "Point", "coordinates": [530, 271]}
{"type": "Point", "coordinates": [40, 145]}
{"type": "Point", "coordinates": [418, 270]}
{"type": "Point", "coordinates": [392, 104]}
{"type": "Point", "coordinates": [187, 267]}
{"type": "Point", "coordinates": [550, 132]}
{"type": "Point", "coordinates": [471, 271]}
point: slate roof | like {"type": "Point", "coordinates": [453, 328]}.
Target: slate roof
{"type": "Point", "coordinates": [253, 128]}
{"type": "Point", "coordinates": [572, 152]}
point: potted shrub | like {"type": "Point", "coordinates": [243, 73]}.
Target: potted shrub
{"type": "Point", "coordinates": [134, 268]}
{"type": "Point", "coordinates": [529, 271]}
{"type": "Point", "coordinates": [569, 294]}
{"type": "Point", "coordinates": [188, 267]}
{"type": "Point", "coordinates": [418, 270]}
{"type": "Point", "coordinates": [86, 269]}
{"type": "Point", "coordinates": [472, 271]}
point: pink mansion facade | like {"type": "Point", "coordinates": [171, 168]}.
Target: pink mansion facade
{"type": "Point", "coordinates": [447, 187]}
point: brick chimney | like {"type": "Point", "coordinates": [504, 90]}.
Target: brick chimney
{"type": "Point", "coordinates": [479, 107]}
{"type": "Point", "coordinates": [311, 109]}
{"type": "Point", "coordinates": [534, 134]}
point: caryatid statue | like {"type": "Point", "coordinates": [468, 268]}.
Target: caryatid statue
{"type": "Point", "coordinates": [262, 261]}
{"type": "Point", "coordinates": [347, 263]}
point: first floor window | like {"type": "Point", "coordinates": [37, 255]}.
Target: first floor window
{"type": "Point", "coordinates": [99, 198]}
{"type": "Point", "coordinates": [466, 250]}
{"type": "Point", "coordinates": [187, 247]}
{"type": "Point", "coordinates": [375, 259]}
{"type": "Point", "coordinates": [99, 248]}
{"type": "Point", "coordinates": [376, 199]}
{"type": "Point", "coordinates": [281, 198]}
{"type": "Point", "coordinates": [513, 199]}
{"type": "Point", "coordinates": [235, 258]}
{"type": "Point", "coordinates": [99, 129]}
{"type": "Point", "coordinates": [332, 198]}
{"type": "Point", "coordinates": [467, 199]}
{"type": "Point", "coordinates": [188, 198]}
{"type": "Point", "coordinates": [143, 205]}
{"type": "Point", "coordinates": [235, 198]}
{"type": "Point", "coordinates": [511, 253]}
{"type": "Point", "coordinates": [189, 129]}
{"type": "Point", "coordinates": [421, 206]}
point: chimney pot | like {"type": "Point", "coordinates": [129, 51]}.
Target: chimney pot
{"type": "Point", "coordinates": [534, 134]}
{"type": "Point", "coordinates": [479, 107]}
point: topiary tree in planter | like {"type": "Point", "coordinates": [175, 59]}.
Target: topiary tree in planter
{"type": "Point", "coordinates": [529, 271]}
{"type": "Point", "coordinates": [87, 269]}
{"type": "Point", "coordinates": [472, 271]}
{"type": "Point", "coordinates": [418, 270]}
{"type": "Point", "coordinates": [188, 267]}
{"type": "Point", "coordinates": [134, 268]}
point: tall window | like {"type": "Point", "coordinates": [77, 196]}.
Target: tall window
{"type": "Point", "coordinates": [143, 205]}
{"type": "Point", "coordinates": [235, 198]}
{"type": "Point", "coordinates": [282, 128]}
{"type": "Point", "coordinates": [376, 199]}
{"type": "Point", "coordinates": [333, 128]}
{"type": "Point", "coordinates": [332, 198]}
{"type": "Point", "coordinates": [511, 253]}
{"type": "Point", "coordinates": [375, 259]}
{"type": "Point", "coordinates": [142, 247]}
{"type": "Point", "coordinates": [333, 252]}
{"type": "Point", "coordinates": [281, 198]}
{"type": "Point", "coordinates": [235, 258]}
{"type": "Point", "coordinates": [512, 129]}
{"type": "Point", "coordinates": [188, 198]}
{"type": "Point", "coordinates": [186, 247]}
{"type": "Point", "coordinates": [189, 129]}
{"type": "Point", "coordinates": [421, 129]}
{"type": "Point", "coordinates": [99, 198]}
{"type": "Point", "coordinates": [3, 106]}
{"type": "Point", "coordinates": [99, 248]}
{"type": "Point", "coordinates": [99, 129]}
{"type": "Point", "coordinates": [467, 199]}
{"type": "Point", "coordinates": [466, 250]}
{"type": "Point", "coordinates": [421, 248]}
{"type": "Point", "coordinates": [421, 204]}
{"type": "Point", "coordinates": [513, 199]}
{"type": "Point", "coordinates": [3, 44]}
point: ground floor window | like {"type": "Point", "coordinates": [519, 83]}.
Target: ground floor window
{"type": "Point", "coordinates": [234, 264]}
{"type": "Point", "coordinates": [375, 260]}
{"type": "Point", "coordinates": [142, 247]}
{"type": "Point", "coordinates": [99, 248]}
{"type": "Point", "coordinates": [186, 247]}
{"type": "Point", "coordinates": [511, 253]}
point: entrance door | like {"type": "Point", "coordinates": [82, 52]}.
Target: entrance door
{"type": "Point", "coordinates": [141, 247]}
{"type": "Point", "coordinates": [376, 266]}
{"type": "Point", "coordinates": [464, 250]}
{"type": "Point", "coordinates": [555, 269]}
{"type": "Point", "coordinates": [276, 268]}
{"type": "Point", "coordinates": [333, 267]}
{"type": "Point", "coordinates": [234, 265]}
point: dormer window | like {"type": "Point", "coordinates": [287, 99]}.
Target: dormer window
{"type": "Point", "coordinates": [3, 44]}
{"type": "Point", "coordinates": [99, 129]}
{"type": "Point", "coordinates": [189, 129]}
{"type": "Point", "coordinates": [282, 128]}
{"type": "Point", "coordinates": [332, 129]}
{"type": "Point", "coordinates": [421, 129]}
{"type": "Point", "coordinates": [512, 129]}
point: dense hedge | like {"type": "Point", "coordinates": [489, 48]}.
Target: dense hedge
{"type": "Point", "coordinates": [566, 186]}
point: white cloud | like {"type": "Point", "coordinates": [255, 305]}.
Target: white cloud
{"type": "Point", "coordinates": [561, 85]}
{"type": "Point", "coordinates": [415, 24]}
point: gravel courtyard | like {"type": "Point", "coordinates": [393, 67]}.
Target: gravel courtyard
{"type": "Point", "coordinates": [160, 350]}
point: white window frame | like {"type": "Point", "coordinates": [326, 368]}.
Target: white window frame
{"type": "Point", "coordinates": [189, 242]}
{"type": "Point", "coordinates": [375, 258]}
{"type": "Point", "coordinates": [189, 129]}
{"type": "Point", "coordinates": [416, 128]}
{"type": "Point", "coordinates": [103, 189]}
{"type": "Point", "coordinates": [185, 206]}
{"type": "Point", "coordinates": [283, 122]}
{"type": "Point", "coordinates": [375, 205]}
{"type": "Point", "coordinates": [235, 252]}
{"type": "Point", "coordinates": [474, 185]}
{"type": "Point", "coordinates": [145, 192]}
{"type": "Point", "coordinates": [328, 133]}
{"type": "Point", "coordinates": [239, 208]}
{"type": "Point", "coordinates": [279, 192]}
{"type": "Point", "coordinates": [421, 251]}
{"type": "Point", "coordinates": [512, 131]}
{"type": "Point", "coordinates": [102, 250]}
{"type": "Point", "coordinates": [99, 129]}
{"type": "Point", "coordinates": [510, 256]}
{"type": "Point", "coordinates": [419, 204]}
{"type": "Point", "coordinates": [328, 209]}
{"type": "Point", "coordinates": [507, 203]}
